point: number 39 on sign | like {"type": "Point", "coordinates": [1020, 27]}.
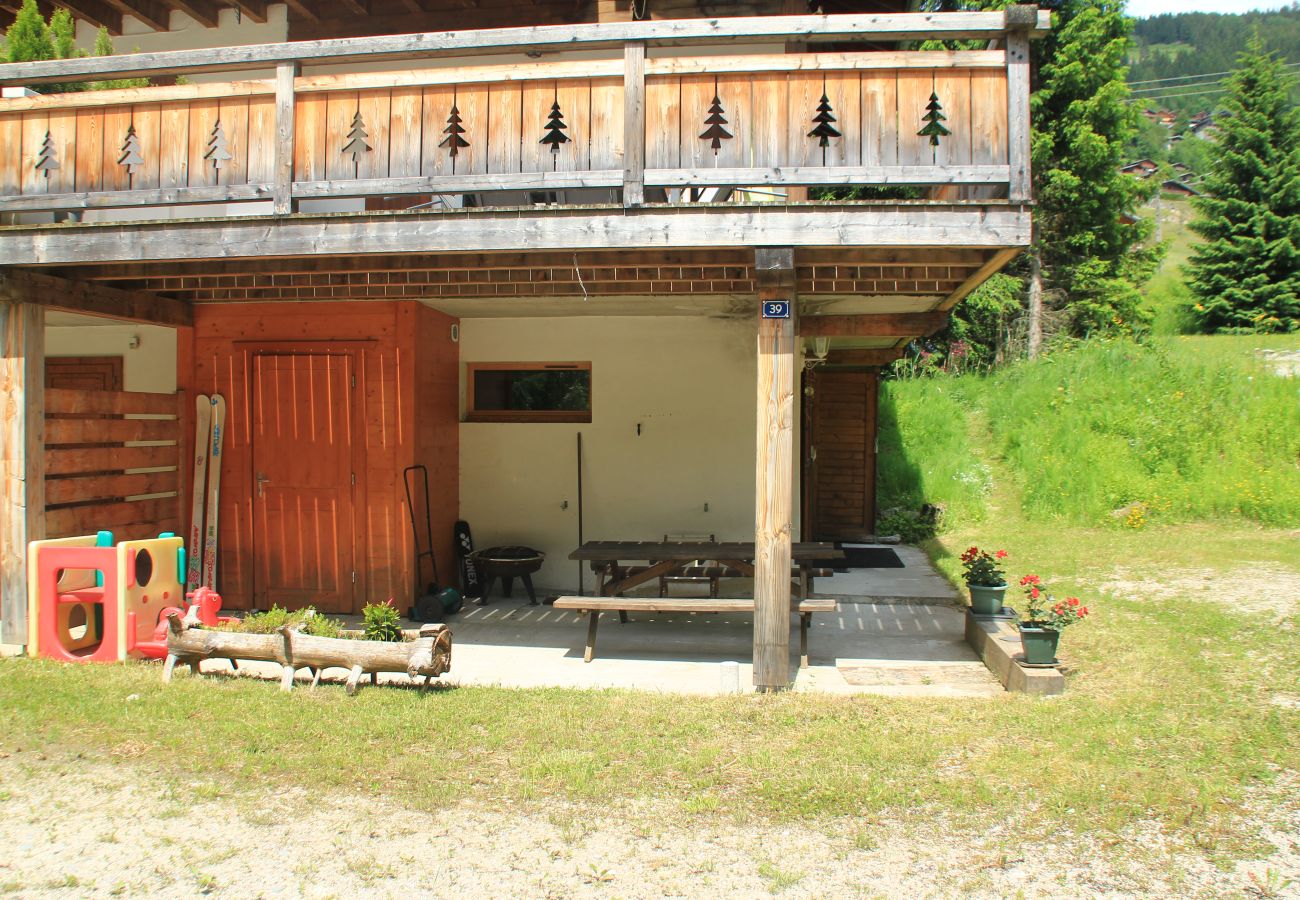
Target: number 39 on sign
{"type": "Point", "coordinates": [776, 309]}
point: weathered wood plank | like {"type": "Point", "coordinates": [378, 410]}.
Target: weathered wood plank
{"type": "Point", "coordinates": [11, 138]}
{"type": "Point", "coordinates": [90, 150]}
{"type": "Point", "coordinates": [261, 141]}
{"type": "Point", "coordinates": [74, 402]}
{"type": "Point", "coordinates": [108, 459]}
{"type": "Point", "coordinates": [663, 122]}
{"type": "Point", "coordinates": [404, 126]}
{"type": "Point", "coordinates": [847, 175]}
{"type": "Point", "coordinates": [502, 138]}
{"type": "Point", "coordinates": [158, 514]}
{"type": "Point", "coordinates": [93, 299]}
{"type": "Point", "coordinates": [634, 125]}
{"type": "Point", "coordinates": [877, 325]}
{"type": "Point", "coordinates": [750, 29]}
{"type": "Point", "coordinates": [90, 488]}
{"type": "Point", "coordinates": [1018, 127]}
{"type": "Point", "coordinates": [22, 444]}
{"type": "Point", "coordinates": [165, 196]}
{"type": "Point", "coordinates": [147, 121]}
{"type": "Point", "coordinates": [486, 230]}
{"type": "Point", "coordinates": [173, 159]}
{"type": "Point", "coordinates": [109, 431]}
{"type": "Point", "coordinates": [774, 472]}
{"type": "Point", "coordinates": [285, 133]}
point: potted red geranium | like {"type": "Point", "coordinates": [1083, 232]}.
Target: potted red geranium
{"type": "Point", "coordinates": [1043, 620]}
{"type": "Point", "coordinates": [985, 580]}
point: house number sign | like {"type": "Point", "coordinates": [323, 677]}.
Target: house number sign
{"type": "Point", "coordinates": [776, 309]}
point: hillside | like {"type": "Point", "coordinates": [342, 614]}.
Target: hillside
{"type": "Point", "coordinates": [1182, 45]}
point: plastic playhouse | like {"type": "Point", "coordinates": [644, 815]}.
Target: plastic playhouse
{"type": "Point", "coordinates": [90, 600]}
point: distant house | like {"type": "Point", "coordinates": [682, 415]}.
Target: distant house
{"type": "Point", "coordinates": [1142, 168]}
{"type": "Point", "coordinates": [1175, 186]}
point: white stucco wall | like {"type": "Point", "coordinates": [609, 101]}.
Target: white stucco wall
{"type": "Point", "coordinates": [149, 367]}
{"type": "Point", "coordinates": [688, 381]}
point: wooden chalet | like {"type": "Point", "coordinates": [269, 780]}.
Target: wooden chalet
{"type": "Point", "coordinates": [694, 241]}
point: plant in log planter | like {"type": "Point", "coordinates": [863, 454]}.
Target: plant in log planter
{"type": "Point", "coordinates": [985, 580]}
{"type": "Point", "coordinates": [1043, 620]}
{"type": "Point", "coordinates": [301, 640]}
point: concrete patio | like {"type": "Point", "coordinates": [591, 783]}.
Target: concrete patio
{"type": "Point", "coordinates": [897, 632]}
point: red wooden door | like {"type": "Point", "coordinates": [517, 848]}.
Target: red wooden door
{"type": "Point", "coordinates": [304, 481]}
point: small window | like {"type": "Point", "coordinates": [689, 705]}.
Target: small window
{"type": "Point", "coordinates": [528, 392]}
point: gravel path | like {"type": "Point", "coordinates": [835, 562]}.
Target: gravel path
{"type": "Point", "coordinates": [87, 828]}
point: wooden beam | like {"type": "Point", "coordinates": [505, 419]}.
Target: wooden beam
{"type": "Point", "coordinates": [282, 192]}
{"type": "Point", "coordinates": [96, 12]}
{"type": "Point", "coordinates": [1018, 124]}
{"type": "Point", "coordinates": [994, 265]}
{"type": "Point", "coordinates": [251, 9]}
{"type": "Point", "coordinates": [92, 299]}
{"type": "Point", "coordinates": [634, 117]}
{"type": "Point", "coordinates": [150, 12]}
{"type": "Point", "coordinates": [818, 175]}
{"type": "Point", "coordinates": [987, 225]}
{"type": "Point", "coordinates": [864, 358]}
{"type": "Point", "coordinates": [303, 9]}
{"type": "Point", "coordinates": [774, 470]}
{"type": "Point", "coordinates": [660, 33]}
{"type": "Point", "coordinates": [22, 455]}
{"type": "Point", "coordinates": [355, 7]}
{"type": "Point", "coordinates": [877, 325]}
{"type": "Point", "coordinates": [205, 12]}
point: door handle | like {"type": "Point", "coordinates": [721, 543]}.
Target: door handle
{"type": "Point", "coordinates": [261, 480]}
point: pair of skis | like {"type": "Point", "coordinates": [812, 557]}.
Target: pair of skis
{"type": "Point", "coordinates": [209, 430]}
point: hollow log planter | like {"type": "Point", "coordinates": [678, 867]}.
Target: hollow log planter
{"type": "Point", "coordinates": [429, 655]}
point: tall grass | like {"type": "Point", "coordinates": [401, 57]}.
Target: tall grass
{"type": "Point", "coordinates": [1173, 430]}
{"type": "Point", "coordinates": [925, 454]}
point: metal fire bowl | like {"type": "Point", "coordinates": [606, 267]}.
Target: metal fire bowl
{"type": "Point", "coordinates": [509, 562]}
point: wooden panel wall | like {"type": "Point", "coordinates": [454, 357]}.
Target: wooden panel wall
{"type": "Point", "coordinates": [400, 131]}
{"type": "Point", "coordinates": [407, 383]}
{"type": "Point", "coordinates": [93, 455]}
{"type": "Point", "coordinates": [878, 113]}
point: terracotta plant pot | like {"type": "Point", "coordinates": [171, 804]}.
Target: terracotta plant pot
{"type": "Point", "coordinates": [986, 600]}
{"type": "Point", "coordinates": [1039, 644]}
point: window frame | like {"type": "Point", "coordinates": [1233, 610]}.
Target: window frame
{"type": "Point", "coordinates": [526, 415]}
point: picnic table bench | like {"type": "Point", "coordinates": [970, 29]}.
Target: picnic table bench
{"type": "Point", "coordinates": [594, 606]}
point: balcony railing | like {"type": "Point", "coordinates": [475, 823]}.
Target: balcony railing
{"type": "Point", "coordinates": [482, 124]}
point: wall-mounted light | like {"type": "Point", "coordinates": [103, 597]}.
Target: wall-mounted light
{"type": "Point", "coordinates": [133, 342]}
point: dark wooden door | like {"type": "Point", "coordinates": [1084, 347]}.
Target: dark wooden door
{"type": "Point", "coordinates": [84, 373]}
{"type": "Point", "coordinates": [840, 455]}
{"type": "Point", "coordinates": [304, 456]}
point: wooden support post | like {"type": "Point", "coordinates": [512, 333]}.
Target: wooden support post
{"type": "Point", "coordinates": [634, 124]}
{"type": "Point", "coordinates": [282, 190]}
{"type": "Point", "coordinates": [774, 470]}
{"type": "Point", "coordinates": [1020, 189]}
{"type": "Point", "coordinates": [22, 456]}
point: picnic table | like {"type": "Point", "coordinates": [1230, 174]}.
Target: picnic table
{"type": "Point", "coordinates": [674, 557]}
{"type": "Point", "coordinates": [735, 558]}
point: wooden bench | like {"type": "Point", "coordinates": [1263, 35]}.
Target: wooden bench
{"type": "Point", "coordinates": [594, 606]}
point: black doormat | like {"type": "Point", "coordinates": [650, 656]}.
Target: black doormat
{"type": "Point", "coordinates": [863, 558]}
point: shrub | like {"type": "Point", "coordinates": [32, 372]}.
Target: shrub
{"type": "Point", "coordinates": [383, 622]}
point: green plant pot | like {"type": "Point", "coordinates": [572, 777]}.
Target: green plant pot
{"type": "Point", "coordinates": [1039, 645]}
{"type": "Point", "coordinates": [986, 600]}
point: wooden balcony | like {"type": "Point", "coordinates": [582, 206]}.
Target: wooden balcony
{"type": "Point", "coordinates": [595, 153]}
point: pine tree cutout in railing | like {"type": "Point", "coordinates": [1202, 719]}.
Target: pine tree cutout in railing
{"type": "Point", "coordinates": [453, 141]}
{"type": "Point", "coordinates": [715, 133]}
{"type": "Point", "coordinates": [48, 158]}
{"type": "Point", "coordinates": [824, 130]}
{"type": "Point", "coordinates": [555, 127]}
{"type": "Point", "coordinates": [934, 118]}
{"type": "Point", "coordinates": [132, 154]}
{"type": "Point", "coordinates": [218, 148]}
{"type": "Point", "coordinates": [357, 135]}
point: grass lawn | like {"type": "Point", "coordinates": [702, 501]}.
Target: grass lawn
{"type": "Point", "coordinates": [1183, 703]}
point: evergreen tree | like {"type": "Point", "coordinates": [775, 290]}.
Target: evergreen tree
{"type": "Point", "coordinates": [1087, 252]}
{"type": "Point", "coordinates": [28, 38]}
{"type": "Point", "coordinates": [1246, 276]}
